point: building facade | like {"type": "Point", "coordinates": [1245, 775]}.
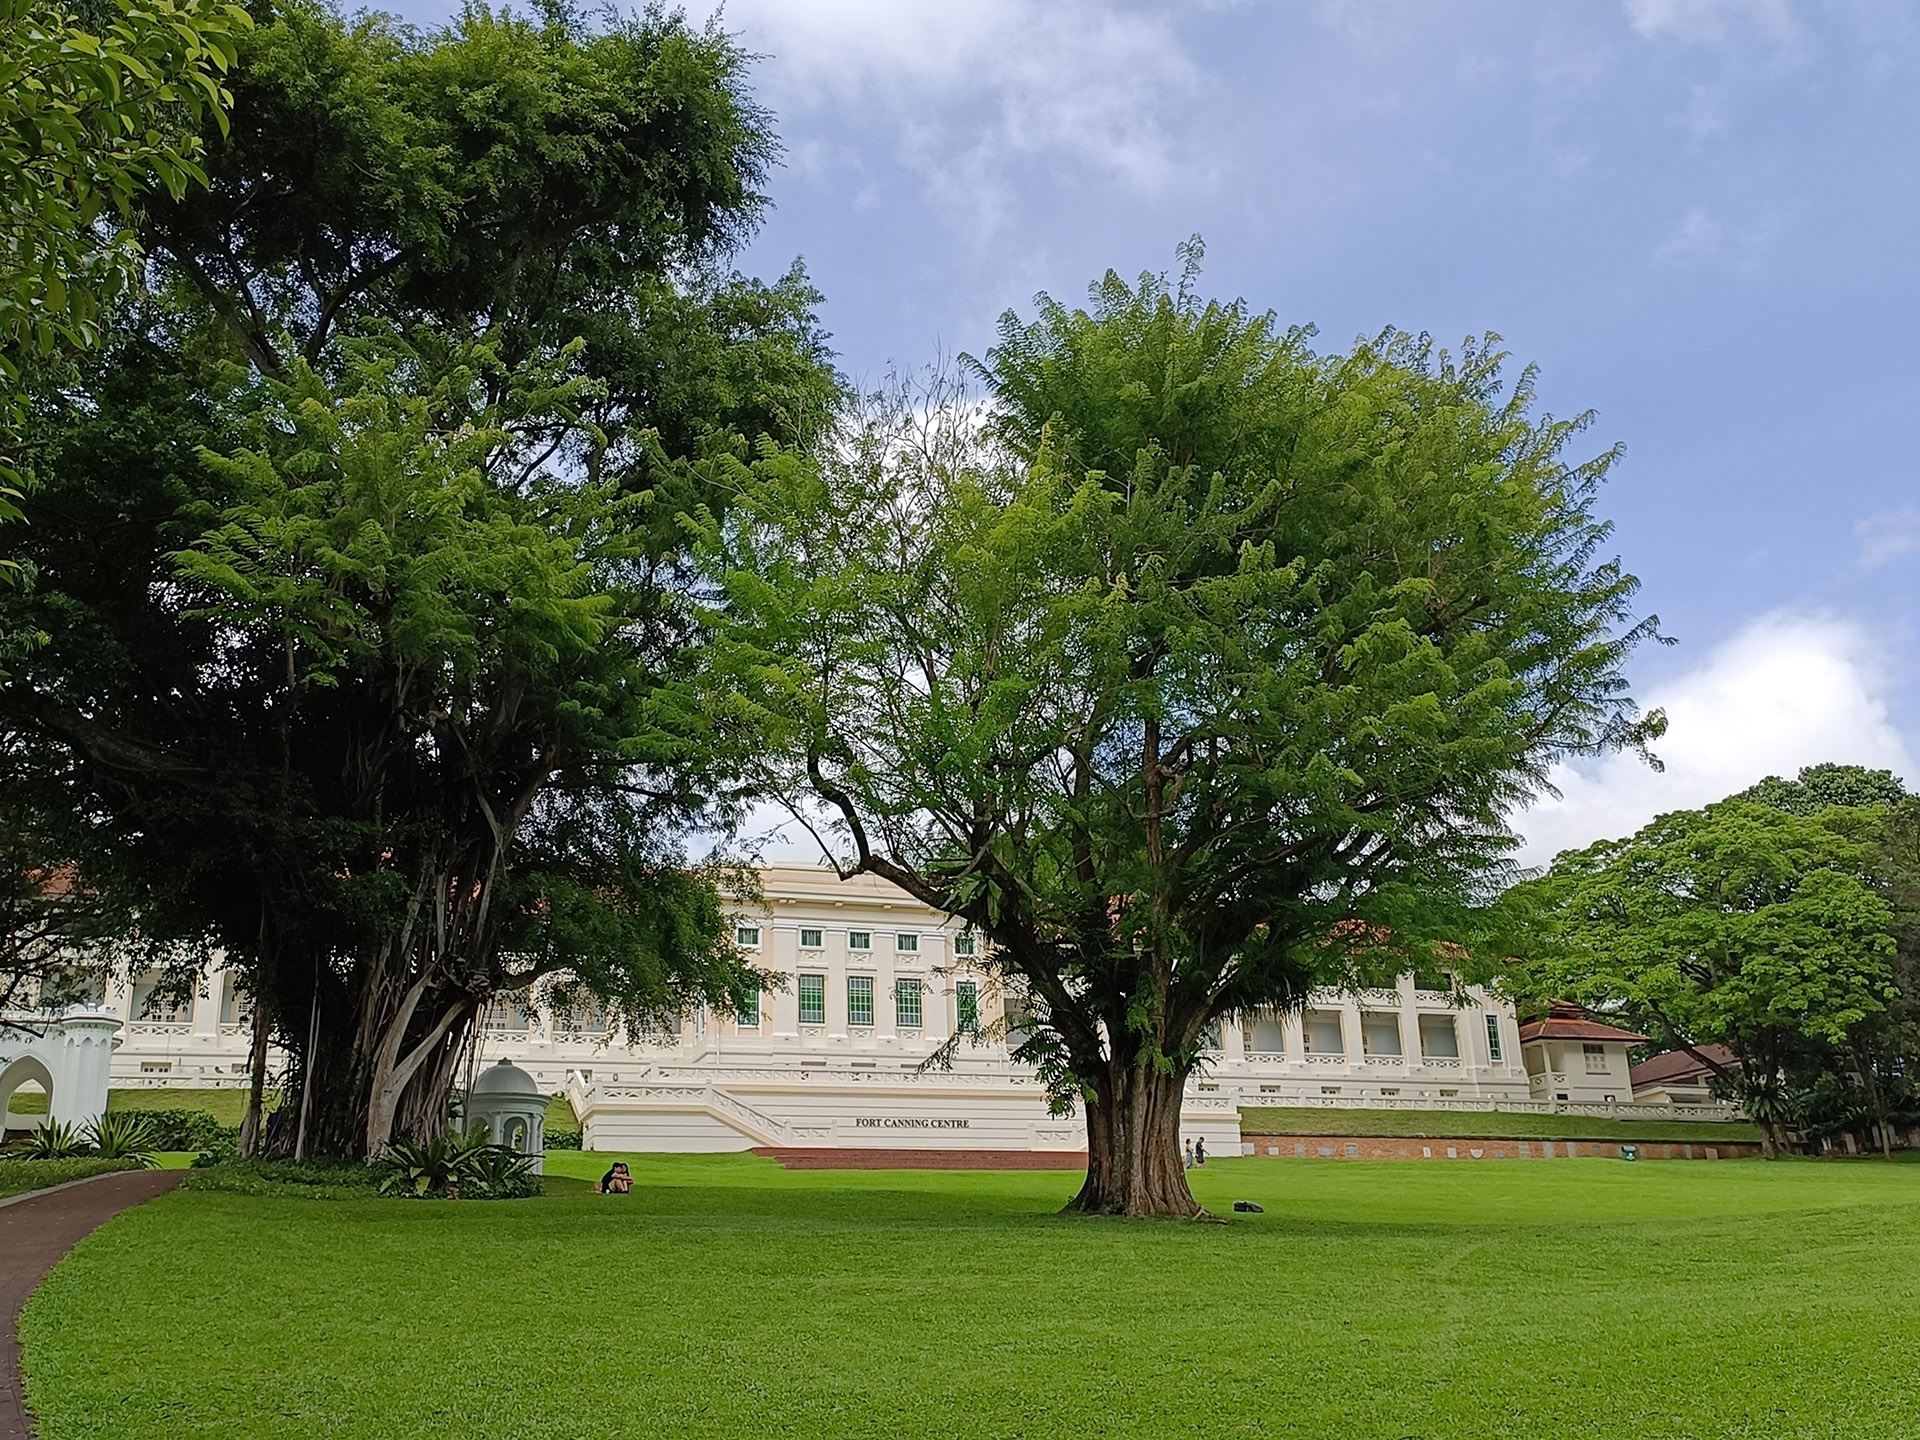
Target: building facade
{"type": "Point", "coordinates": [840, 1052]}
{"type": "Point", "coordinates": [1571, 1057]}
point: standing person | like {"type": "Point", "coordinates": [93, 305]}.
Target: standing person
{"type": "Point", "coordinates": [1200, 1151]}
{"type": "Point", "coordinates": [1189, 1154]}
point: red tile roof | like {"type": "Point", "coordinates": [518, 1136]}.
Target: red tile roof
{"type": "Point", "coordinates": [1680, 1065]}
{"type": "Point", "coordinates": [1570, 1022]}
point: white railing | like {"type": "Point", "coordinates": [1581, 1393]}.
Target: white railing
{"type": "Point", "coordinates": [1440, 1062]}
{"type": "Point", "coordinates": [1616, 1110]}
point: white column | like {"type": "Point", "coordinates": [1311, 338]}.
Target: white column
{"type": "Point", "coordinates": [206, 1007]}
{"type": "Point", "coordinates": [836, 957]}
{"type": "Point", "coordinates": [933, 998]}
{"type": "Point", "coordinates": [119, 994]}
{"type": "Point", "coordinates": [780, 1009]}
{"type": "Point", "coordinates": [886, 966]}
{"type": "Point", "coordinates": [1233, 1041]}
{"type": "Point", "coordinates": [1350, 1038]}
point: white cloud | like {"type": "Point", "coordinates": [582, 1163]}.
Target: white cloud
{"type": "Point", "coordinates": [1700, 22]}
{"type": "Point", "coordinates": [965, 89]}
{"type": "Point", "coordinates": [1786, 691]}
{"type": "Point", "coordinates": [1700, 237]}
{"type": "Point", "coordinates": [1888, 535]}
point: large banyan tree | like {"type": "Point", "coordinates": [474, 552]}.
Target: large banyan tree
{"type": "Point", "coordinates": [357, 542]}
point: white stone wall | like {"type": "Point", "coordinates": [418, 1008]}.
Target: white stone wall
{"type": "Point", "coordinates": [812, 1084]}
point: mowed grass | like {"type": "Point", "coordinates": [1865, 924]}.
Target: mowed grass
{"type": "Point", "coordinates": [19, 1176]}
{"type": "Point", "coordinates": [1493, 1125]}
{"type": "Point", "coordinates": [725, 1297]}
{"type": "Point", "coordinates": [229, 1107]}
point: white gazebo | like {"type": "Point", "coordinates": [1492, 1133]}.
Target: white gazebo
{"type": "Point", "coordinates": [67, 1052]}
{"type": "Point", "coordinates": [510, 1105]}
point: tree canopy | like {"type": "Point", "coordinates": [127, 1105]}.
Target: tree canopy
{"type": "Point", "coordinates": [357, 545]}
{"type": "Point", "coordinates": [1197, 669]}
{"type": "Point", "coordinates": [1761, 923]}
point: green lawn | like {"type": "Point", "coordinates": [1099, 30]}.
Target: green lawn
{"type": "Point", "coordinates": [1498, 1125]}
{"type": "Point", "coordinates": [229, 1107]}
{"type": "Point", "coordinates": [18, 1176]}
{"type": "Point", "coordinates": [725, 1297]}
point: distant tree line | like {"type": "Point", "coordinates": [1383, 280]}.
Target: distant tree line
{"type": "Point", "coordinates": [1781, 924]}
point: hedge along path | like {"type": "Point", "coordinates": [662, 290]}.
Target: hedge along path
{"type": "Point", "coordinates": [35, 1232]}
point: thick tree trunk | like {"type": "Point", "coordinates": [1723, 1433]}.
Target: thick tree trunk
{"type": "Point", "coordinates": [1134, 1165]}
{"type": "Point", "coordinates": [251, 1126]}
{"type": "Point", "coordinates": [426, 1101]}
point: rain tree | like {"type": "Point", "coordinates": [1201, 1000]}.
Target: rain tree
{"type": "Point", "coordinates": [1744, 924]}
{"type": "Point", "coordinates": [1191, 660]}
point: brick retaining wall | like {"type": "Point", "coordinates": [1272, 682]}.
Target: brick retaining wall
{"type": "Point", "coordinates": [1400, 1147]}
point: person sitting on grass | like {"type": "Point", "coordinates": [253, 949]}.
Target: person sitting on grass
{"type": "Point", "coordinates": [616, 1181]}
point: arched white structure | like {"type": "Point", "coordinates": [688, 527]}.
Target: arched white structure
{"type": "Point", "coordinates": [68, 1054]}
{"type": "Point", "coordinates": [510, 1105]}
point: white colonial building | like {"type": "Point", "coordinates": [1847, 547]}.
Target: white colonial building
{"type": "Point", "coordinates": [871, 984]}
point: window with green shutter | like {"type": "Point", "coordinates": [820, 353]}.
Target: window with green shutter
{"type": "Point", "coordinates": [813, 999]}
{"type": "Point", "coordinates": [906, 1004]}
{"type": "Point", "coordinates": [860, 1000]}
{"type": "Point", "coordinates": [966, 1006]}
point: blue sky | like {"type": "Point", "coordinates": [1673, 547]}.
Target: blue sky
{"type": "Point", "coordinates": [1699, 218]}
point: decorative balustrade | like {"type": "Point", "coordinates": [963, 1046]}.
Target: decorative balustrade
{"type": "Point", "coordinates": [1485, 1105]}
{"type": "Point", "coordinates": [1440, 1062]}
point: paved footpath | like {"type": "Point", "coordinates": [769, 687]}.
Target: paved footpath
{"type": "Point", "coordinates": [34, 1233]}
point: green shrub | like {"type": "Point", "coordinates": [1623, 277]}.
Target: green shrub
{"type": "Point", "coordinates": [456, 1167]}
{"type": "Point", "coordinates": [122, 1135]}
{"type": "Point", "coordinates": [305, 1179]}
{"type": "Point", "coordinates": [497, 1172]}
{"type": "Point", "coordinates": [18, 1175]}
{"type": "Point", "coordinates": [55, 1140]}
{"type": "Point", "coordinates": [189, 1130]}
{"type": "Point", "coordinates": [561, 1140]}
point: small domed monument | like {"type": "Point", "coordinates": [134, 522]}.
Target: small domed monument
{"type": "Point", "coordinates": [510, 1105]}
